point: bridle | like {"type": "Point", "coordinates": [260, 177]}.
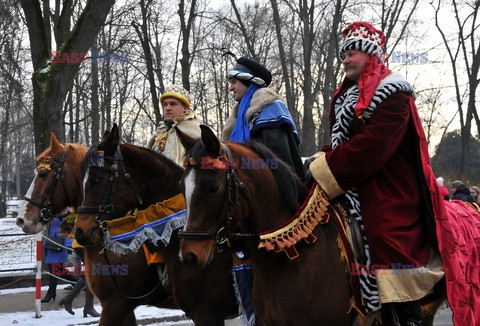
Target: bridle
{"type": "Point", "coordinates": [106, 206]}
{"type": "Point", "coordinates": [46, 201]}
{"type": "Point", "coordinates": [222, 235]}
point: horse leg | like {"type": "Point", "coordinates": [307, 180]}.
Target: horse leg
{"type": "Point", "coordinates": [130, 320]}
{"type": "Point", "coordinates": [208, 321]}
{"type": "Point", "coordinates": [433, 302]}
{"type": "Point", "coordinates": [117, 313]}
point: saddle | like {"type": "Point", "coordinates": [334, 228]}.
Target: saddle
{"type": "Point", "coordinates": [354, 233]}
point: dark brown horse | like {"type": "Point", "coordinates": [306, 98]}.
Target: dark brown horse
{"type": "Point", "coordinates": [58, 185]}
{"type": "Point", "coordinates": [206, 296]}
{"type": "Point", "coordinates": [240, 190]}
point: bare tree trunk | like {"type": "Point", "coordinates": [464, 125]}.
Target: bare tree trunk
{"type": "Point", "coordinates": [283, 61]}
{"type": "Point", "coordinates": [95, 114]}
{"type": "Point", "coordinates": [307, 146]}
{"type": "Point", "coordinates": [144, 38]}
{"type": "Point", "coordinates": [69, 106]}
{"type": "Point", "coordinates": [76, 138]}
{"type": "Point", "coordinates": [186, 29]}
{"type": "Point", "coordinates": [52, 81]}
{"type": "Point", "coordinates": [330, 73]}
{"type": "Point", "coordinates": [243, 30]}
{"type": "Point", "coordinates": [18, 154]}
{"type": "Point", "coordinates": [472, 74]}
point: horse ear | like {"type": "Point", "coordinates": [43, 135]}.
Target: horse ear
{"type": "Point", "coordinates": [110, 140]}
{"type": "Point", "coordinates": [105, 135]}
{"type": "Point", "coordinates": [211, 142]}
{"type": "Point", "coordinates": [185, 139]}
{"type": "Point", "coordinates": [55, 147]}
{"type": "Point", "coordinates": [116, 134]}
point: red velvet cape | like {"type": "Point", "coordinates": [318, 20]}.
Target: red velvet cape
{"type": "Point", "coordinates": [403, 209]}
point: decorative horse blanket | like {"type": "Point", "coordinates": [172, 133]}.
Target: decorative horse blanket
{"type": "Point", "coordinates": [155, 223]}
{"type": "Point", "coordinates": [458, 232]}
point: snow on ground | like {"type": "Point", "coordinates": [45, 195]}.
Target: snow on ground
{"type": "Point", "coordinates": [19, 251]}
{"type": "Point", "coordinates": [15, 251]}
{"type": "Point", "coordinates": [146, 315]}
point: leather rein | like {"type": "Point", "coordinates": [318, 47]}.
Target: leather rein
{"type": "Point", "coordinates": [46, 202]}
{"type": "Point", "coordinates": [223, 234]}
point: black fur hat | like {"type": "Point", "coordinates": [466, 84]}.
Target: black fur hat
{"type": "Point", "coordinates": [249, 71]}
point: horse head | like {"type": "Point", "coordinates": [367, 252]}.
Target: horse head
{"type": "Point", "coordinates": [222, 191]}
{"type": "Point", "coordinates": [119, 178]}
{"type": "Point", "coordinates": [55, 187]}
{"type": "Point", "coordinates": [100, 169]}
{"type": "Point", "coordinates": [200, 152]}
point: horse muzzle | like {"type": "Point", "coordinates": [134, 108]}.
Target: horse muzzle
{"type": "Point", "coordinates": [196, 254]}
{"type": "Point", "coordinates": [89, 239]}
{"type": "Point", "coordinates": [29, 226]}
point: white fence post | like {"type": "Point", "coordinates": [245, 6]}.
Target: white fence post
{"type": "Point", "coordinates": [38, 278]}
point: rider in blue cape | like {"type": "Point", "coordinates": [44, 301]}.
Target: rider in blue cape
{"type": "Point", "coordinates": [260, 114]}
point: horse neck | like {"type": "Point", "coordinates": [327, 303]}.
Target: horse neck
{"type": "Point", "coordinates": [266, 207]}
{"type": "Point", "coordinates": [75, 186]}
{"type": "Point", "coordinates": [157, 181]}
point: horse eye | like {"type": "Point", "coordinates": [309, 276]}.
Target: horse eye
{"type": "Point", "coordinates": [213, 188]}
{"type": "Point", "coordinates": [42, 173]}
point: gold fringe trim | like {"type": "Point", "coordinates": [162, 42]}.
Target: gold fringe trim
{"type": "Point", "coordinates": [343, 253]}
{"type": "Point", "coordinates": [299, 228]}
{"type": "Point", "coordinates": [374, 318]}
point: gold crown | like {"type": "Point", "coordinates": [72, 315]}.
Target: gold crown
{"type": "Point", "coordinates": [177, 92]}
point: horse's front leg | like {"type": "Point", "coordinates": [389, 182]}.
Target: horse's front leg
{"type": "Point", "coordinates": [117, 312]}
{"type": "Point", "coordinates": [130, 320]}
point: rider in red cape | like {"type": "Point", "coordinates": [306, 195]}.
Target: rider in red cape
{"type": "Point", "coordinates": [379, 162]}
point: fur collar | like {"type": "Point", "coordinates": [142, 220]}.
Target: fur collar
{"type": "Point", "coordinates": [260, 99]}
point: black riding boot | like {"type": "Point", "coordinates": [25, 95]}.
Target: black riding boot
{"type": "Point", "coordinates": [67, 300]}
{"type": "Point", "coordinates": [88, 309]}
{"type": "Point", "coordinates": [402, 314]}
{"type": "Point", "coordinates": [52, 289]}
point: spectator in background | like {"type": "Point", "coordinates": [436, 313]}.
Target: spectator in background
{"type": "Point", "coordinates": [443, 189]}
{"type": "Point", "coordinates": [454, 186]}
{"type": "Point", "coordinates": [81, 284]}
{"type": "Point", "coordinates": [463, 193]}
{"type": "Point", "coordinates": [55, 253]}
{"type": "Point", "coordinates": [475, 191]}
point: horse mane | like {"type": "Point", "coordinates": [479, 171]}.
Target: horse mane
{"type": "Point", "coordinates": [91, 157]}
{"type": "Point", "coordinates": [149, 155]}
{"type": "Point", "coordinates": [291, 187]}
{"type": "Point", "coordinates": [79, 150]}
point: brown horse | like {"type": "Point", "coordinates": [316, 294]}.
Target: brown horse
{"type": "Point", "coordinates": [58, 185]}
{"type": "Point", "coordinates": [206, 296]}
{"type": "Point", "coordinates": [240, 190]}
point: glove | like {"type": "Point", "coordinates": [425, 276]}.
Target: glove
{"type": "Point", "coordinates": [308, 174]}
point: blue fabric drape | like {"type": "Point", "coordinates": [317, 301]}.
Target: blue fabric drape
{"type": "Point", "coordinates": [241, 132]}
